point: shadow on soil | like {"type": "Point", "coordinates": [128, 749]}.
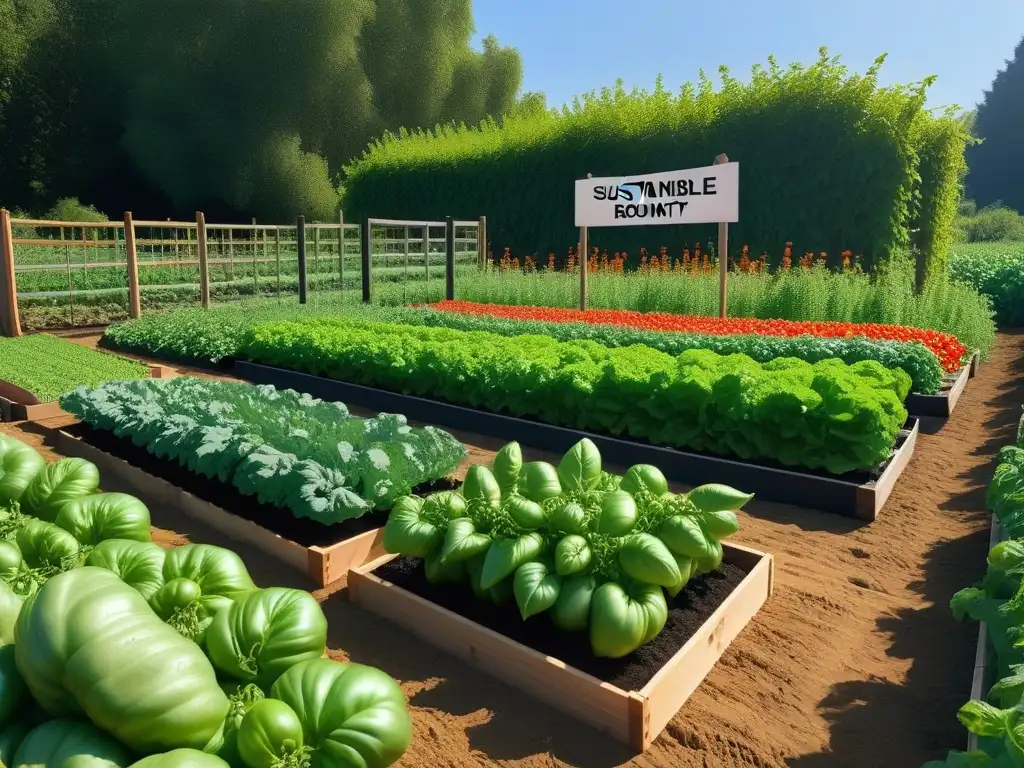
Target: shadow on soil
{"type": "Point", "coordinates": [940, 651]}
{"type": "Point", "coordinates": [501, 722]}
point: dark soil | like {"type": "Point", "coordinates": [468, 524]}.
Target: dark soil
{"type": "Point", "coordinates": [690, 609]}
{"type": "Point", "coordinates": [302, 531]}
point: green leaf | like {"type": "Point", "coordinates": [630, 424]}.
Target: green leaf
{"type": "Point", "coordinates": [480, 484]}
{"type": "Point", "coordinates": [715, 497]}
{"type": "Point", "coordinates": [506, 555]}
{"type": "Point", "coordinates": [687, 568]}
{"type": "Point", "coordinates": [720, 524]}
{"type": "Point", "coordinates": [539, 481]}
{"type": "Point", "coordinates": [572, 555]}
{"type": "Point", "coordinates": [526, 514]}
{"type": "Point", "coordinates": [536, 588]}
{"type": "Point", "coordinates": [618, 514]}
{"type": "Point", "coordinates": [508, 463]}
{"type": "Point", "coordinates": [462, 542]}
{"type": "Point", "coordinates": [683, 535]}
{"type": "Point", "coordinates": [441, 572]}
{"type": "Point", "coordinates": [569, 517]}
{"type": "Point", "coordinates": [1007, 555]}
{"type": "Point", "coordinates": [446, 504]}
{"type": "Point", "coordinates": [407, 533]}
{"type": "Point", "coordinates": [646, 558]}
{"type": "Point", "coordinates": [580, 467]}
{"type": "Point", "coordinates": [571, 611]}
{"type": "Point", "coordinates": [624, 617]}
{"type": "Point", "coordinates": [644, 477]}
{"type": "Point", "coordinates": [982, 719]}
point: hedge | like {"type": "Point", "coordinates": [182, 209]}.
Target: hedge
{"type": "Point", "coordinates": [828, 160]}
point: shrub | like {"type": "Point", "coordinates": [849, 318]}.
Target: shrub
{"type": "Point", "coordinates": [879, 146]}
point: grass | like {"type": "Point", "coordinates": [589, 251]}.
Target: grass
{"type": "Point", "coordinates": [48, 366]}
{"type": "Point", "coordinates": [997, 271]}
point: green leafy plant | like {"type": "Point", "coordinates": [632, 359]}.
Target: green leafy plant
{"type": "Point", "coordinates": [827, 415]}
{"type": "Point", "coordinates": [995, 270]}
{"type": "Point", "coordinates": [594, 551]}
{"type": "Point", "coordinates": [287, 449]}
{"type": "Point", "coordinates": [998, 600]}
{"type": "Point", "coordinates": [48, 366]}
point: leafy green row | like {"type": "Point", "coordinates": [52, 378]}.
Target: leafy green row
{"type": "Point", "coordinates": [48, 366]}
{"type": "Point", "coordinates": [286, 449]}
{"type": "Point", "coordinates": [998, 600]}
{"type": "Point", "coordinates": [823, 415]}
{"type": "Point", "coordinates": [211, 335]}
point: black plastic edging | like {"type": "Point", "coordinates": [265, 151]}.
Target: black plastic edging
{"type": "Point", "coordinates": [767, 483]}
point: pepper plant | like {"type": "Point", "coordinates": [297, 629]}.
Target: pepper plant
{"type": "Point", "coordinates": [595, 551]}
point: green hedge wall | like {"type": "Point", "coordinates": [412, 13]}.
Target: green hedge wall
{"type": "Point", "coordinates": [828, 160]}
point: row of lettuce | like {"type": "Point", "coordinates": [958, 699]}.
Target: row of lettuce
{"type": "Point", "coordinates": [833, 414]}
{"type": "Point", "coordinates": [115, 651]}
{"type": "Point", "coordinates": [997, 720]}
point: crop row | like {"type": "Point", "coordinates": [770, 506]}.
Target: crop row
{"type": "Point", "coordinates": [210, 336]}
{"type": "Point", "coordinates": [115, 652]}
{"type": "Point", "coordinates": [946, 347]}
{"type": "Point", "coordinates": [825, 415]}
{"type": "Point", "coordinates": [48, 366]}
{"type": "Point", "coordinates": [998, 600]}
{"type": "Point", "coordinates": [289, 450]}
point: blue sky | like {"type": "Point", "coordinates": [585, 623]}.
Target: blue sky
{"type": "Point", "coordinates": [574, 46]}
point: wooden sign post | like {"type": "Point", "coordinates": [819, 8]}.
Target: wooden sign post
{"type": "Point", "coordinates": [708, 195]}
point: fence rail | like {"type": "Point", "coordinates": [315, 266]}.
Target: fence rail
{"type": "Point", "coordinates": [69, 273]}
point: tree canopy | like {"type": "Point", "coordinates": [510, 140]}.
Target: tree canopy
{"type": "Point", "coordinates": [238, 108]}
{"type": "Point", "coordinates": [997, 163]}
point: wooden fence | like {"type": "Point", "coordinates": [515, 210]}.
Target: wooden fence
{"type": "Point", "coordinates": [262, 244]}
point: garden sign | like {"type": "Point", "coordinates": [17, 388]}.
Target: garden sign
{"type": "Point", "coordinates": [694, 196]}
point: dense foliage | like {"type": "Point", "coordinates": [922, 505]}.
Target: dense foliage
{"type": "Point", "coordinates": [595, 552]}
{"type": "Point", "coordinates": [113, 648]}
{"type": "Point", "coordinates": [995, 270]}
{"type": "Point", "coordinates": [48, 366]}
{"type": "Point", "coordinates": [997, 163]}
{"type": "Point", "coordinates": [232, 107]}
{"type": "Point", "coordinates": [827, 415]}
{"type": "Point", "coordinates": [879, 145]}
{"type": "Point", "coordinates": [946, 348]}
{"type": "Point", "coordinates": [296, 452]}
{"type": "Point", "coordinates": [998, 600]}
{"type": "Point", "coordinates": [211, 336]}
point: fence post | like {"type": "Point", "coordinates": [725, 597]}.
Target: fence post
{"type": "Point", "coordinates": [204, 267]}
{"type": "Point", "coordinates": [481, 243]}
{"type": "Point", "coordinates": [723, 253]}
{"type": "Point", "coordinates": [583, 258]}
{"type": "Point", "coordinates": [9, 316]}
{"type": "Point", "coordinates": [341, 252]}
{"type": "Point", "coordinates": [449, 258]}
{"type": "Point", "coordinates": [134, 300]}
{"type": "Point", "coordinates": [364, 255]}
{"type": "Point", "coordinates": [300, 243]}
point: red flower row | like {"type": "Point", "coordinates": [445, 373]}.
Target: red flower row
{"type": "Point", "coordinates": [947, 348]}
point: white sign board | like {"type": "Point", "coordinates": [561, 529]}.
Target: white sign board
{"type": "Point", "coordinates": [708, 195]}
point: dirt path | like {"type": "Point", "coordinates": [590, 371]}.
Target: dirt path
{"type": "Point", "coordinates": [854, 661]}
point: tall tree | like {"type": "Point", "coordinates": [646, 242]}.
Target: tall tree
{"type": "Point", "coordinates": [233, 106]}
{"type": "Point", "coordinates": [997, 163]}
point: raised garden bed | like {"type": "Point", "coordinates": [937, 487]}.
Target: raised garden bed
{"type": "Point", "coordinates": [943, 403]}
{"type": "Point", "coordinates": [631, 699]}
{"type": "Point", "coordinates": [324, 552]}
{"type": "Point", "coordinates": [17, 404]}
{"type": "Point", "coordinates": [982, 680]}
{"type": "Point", "coordinates": [857, 494]}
